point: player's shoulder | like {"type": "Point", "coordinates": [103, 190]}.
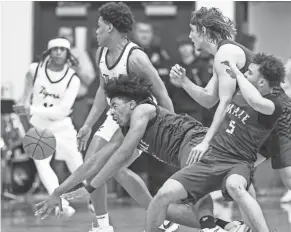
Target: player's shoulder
{"type": "Point", "coordinates": [98, 54]}
{"type": "Point", "coordinates": [144, 110]}
{"type": "Point", "coordinates": [32, 68]}
{"type": "Point", "coordinates": [230, 50]}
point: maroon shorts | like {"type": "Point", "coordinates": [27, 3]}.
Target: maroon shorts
{"type": "Point", "coordinates": [210, 174]}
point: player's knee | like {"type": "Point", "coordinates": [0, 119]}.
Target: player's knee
{"type": "Point", "coordinates": [236, 185]}
{"type": "Point", "coordinates": [285, 174]}
{"type": "Point", "coordinates": [172, 191]}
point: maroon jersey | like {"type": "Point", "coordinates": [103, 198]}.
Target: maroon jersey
{"type": "Point", "coordinates": [244, 130]}
{"type": "Point", "coordinates": [165, 133]}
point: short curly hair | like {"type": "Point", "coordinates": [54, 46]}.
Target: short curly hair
{"type": "Point", "coordinates": [217, 25]}
{"type": "Point", "coordinates": [271, 68]}
{"type": "Point", "coordinates": [119, 14]}
{"type": "Point", "coordinates": [129, 88]}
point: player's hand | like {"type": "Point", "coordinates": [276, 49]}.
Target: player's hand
{"type": "Point", "coordinates": [232, 68]}
{"type": "Point", "coordinates": [79, 193]}
{"type": "Point", "coordinates": [21, 109]}
{"type": "Point", "coordinates": [47, 206]}
{"type": "Point", "coordinates": [177, 75]}
{"type": "Point", "coordinates": [83, 136]}
{"type": "Point", "coordinates": [197, 153]}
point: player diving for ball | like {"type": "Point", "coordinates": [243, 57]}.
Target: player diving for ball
{"type": "Point", "coordinates": [171, 137]}
{"type": "Point", "coordinates": [53, 85]}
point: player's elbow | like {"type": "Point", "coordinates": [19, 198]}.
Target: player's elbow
{"type": "Point", "coordinates": [262, 108]}
{"type": "Point", "coordinates": [210, 102]}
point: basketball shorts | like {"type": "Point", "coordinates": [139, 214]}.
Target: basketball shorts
{"type": "Point", "coordinates": [210, 174]}
{"type": "Point", "coordinates": [191, 140]}
{"type": "Point", "coordinates": [281, 152]}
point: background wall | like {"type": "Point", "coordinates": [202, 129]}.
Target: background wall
{"type": "Point", "coordinates": [16, 42]}
{"type": "Point", "coordinates": [270, 22]}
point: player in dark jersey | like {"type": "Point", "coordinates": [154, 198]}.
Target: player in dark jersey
{"type": "Point", "coordinates": [228, 165]}
{"type": "Point", "coordinates": [213, 32]}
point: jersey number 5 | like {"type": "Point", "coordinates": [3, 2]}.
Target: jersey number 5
{"type": "Point", "coordinates": [232, 127]}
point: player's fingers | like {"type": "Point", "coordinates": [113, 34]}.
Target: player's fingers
{"type": "Point", "coordinates": [45, 215]}
{"type": "Point", "coordinates": [177, 71]}
{"type": "Point", "coordinates": [40, 204]}
{"type": "Point", "coordinates": [41, 210]}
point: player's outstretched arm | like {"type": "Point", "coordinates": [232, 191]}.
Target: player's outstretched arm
{"type": "Point", "coordinates": [92, 165]}
{"type": "Point", "coordinates": [141, 66]}
{"type": "Point", "coordinates": [206, 97]}
{"type": "Point", "coordinates": [250, 93]}
{"type": "Point", "coordinates": [139, 122]}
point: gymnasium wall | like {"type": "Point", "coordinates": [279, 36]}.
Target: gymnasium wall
{"type": "Point", "coordinates": [270, 23]}
{"type": "Point", "coordinates": [16, 43]}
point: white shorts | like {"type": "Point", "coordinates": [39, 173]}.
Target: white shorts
{"type": "Point", "coordinates": [108, 128]}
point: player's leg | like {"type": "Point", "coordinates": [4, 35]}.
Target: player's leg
{"type": "Point", "coordinates": [46, 174]}
{"type": "Point", "coordinates": [133, 183]}
{"type": "Point", "coordinates": [285, 174]}
{"type": "Point", "coordinates": [235, 185]}
{"type": "Point", "coordinates": [197, 180]}
{"type": "Point", "coordinates": [204, 207]}
{"type": "Point", "coordinates": [99, 196]}
{"type": "Point", "coordinates": [172, 191]}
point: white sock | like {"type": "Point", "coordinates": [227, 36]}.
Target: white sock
{"type": "Point", "coordinates": [103, 220]}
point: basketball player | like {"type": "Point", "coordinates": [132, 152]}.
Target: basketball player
{"type": "Point", "coordinates": [228, 165]}
{"type": "Point", "coordinates": [213, 32]}
{"type": "Point", "coordinates": [153, 141]}
{"type": "Point", "coordinates": [117, 55]}
{"type": "Point", "coordinates": [53, 85]}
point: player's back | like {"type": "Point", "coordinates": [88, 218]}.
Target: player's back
{"type": "Point", "coordinates": [165, 133]}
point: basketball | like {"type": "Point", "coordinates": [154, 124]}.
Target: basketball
{"type": "Point", "coordinates": [39, 144]}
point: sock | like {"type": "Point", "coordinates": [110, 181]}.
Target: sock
{"type": "Point", "coordinates": [207, 222]}
{"type": "Point", "coordinates": [103, 220]}
{"type": "Point", "coordinates": [221, 223]}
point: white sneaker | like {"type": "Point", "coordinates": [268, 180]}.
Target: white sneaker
{"type": "Point", "coordinates": [215, 229]}
{"type": "Point", "coordinates": [237, 226]}
{"type": "Point", "coordinates": [68, 211]}
{"type": "Point", "coordinates": [168, 226]}
{"type": "Point", "coordinates": [101, 229]}
{"type": "Point", "coordinates": [286, 197]}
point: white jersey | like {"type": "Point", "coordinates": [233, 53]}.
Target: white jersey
{"type": "Point", "coordinates": [49, 89]}
{"type": "Point", "coordinates": [120, 66]}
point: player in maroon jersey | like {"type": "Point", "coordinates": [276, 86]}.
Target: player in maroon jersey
{"type": "Point", "coordinates": [228, 165]}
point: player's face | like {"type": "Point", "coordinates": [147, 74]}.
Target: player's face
{"type": "Point", "coordinates": [121, 110]}
{"type": "Point", "coordinates": [102, 32]}
{"type": "Point", "coordinates": [253, 75]}
{"type": "Point", "coordinates": [144, 34]}
{"type": "Point", "coordinates": [59, 55]}
{"type": "Point", "coordinates": [197, 39]}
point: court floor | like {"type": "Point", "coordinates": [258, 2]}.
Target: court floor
{"type": "Point", "coordinates": [126, 216]}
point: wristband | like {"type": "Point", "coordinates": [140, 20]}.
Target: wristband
{"type": "Point", "coordinates": [90, 188]}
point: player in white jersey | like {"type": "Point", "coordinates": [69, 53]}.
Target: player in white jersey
{"type": "Point", "coordinates": [117, 55]}
{"type": "Point", "coordinates": [54, 85]}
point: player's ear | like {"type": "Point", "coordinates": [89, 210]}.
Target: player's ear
{"type": "Point", "coordinates": [110, 27]}
{"type": "Point", "coordinates": [262, 82]}
{"type": "Point", "coordinates": [132, 104]}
